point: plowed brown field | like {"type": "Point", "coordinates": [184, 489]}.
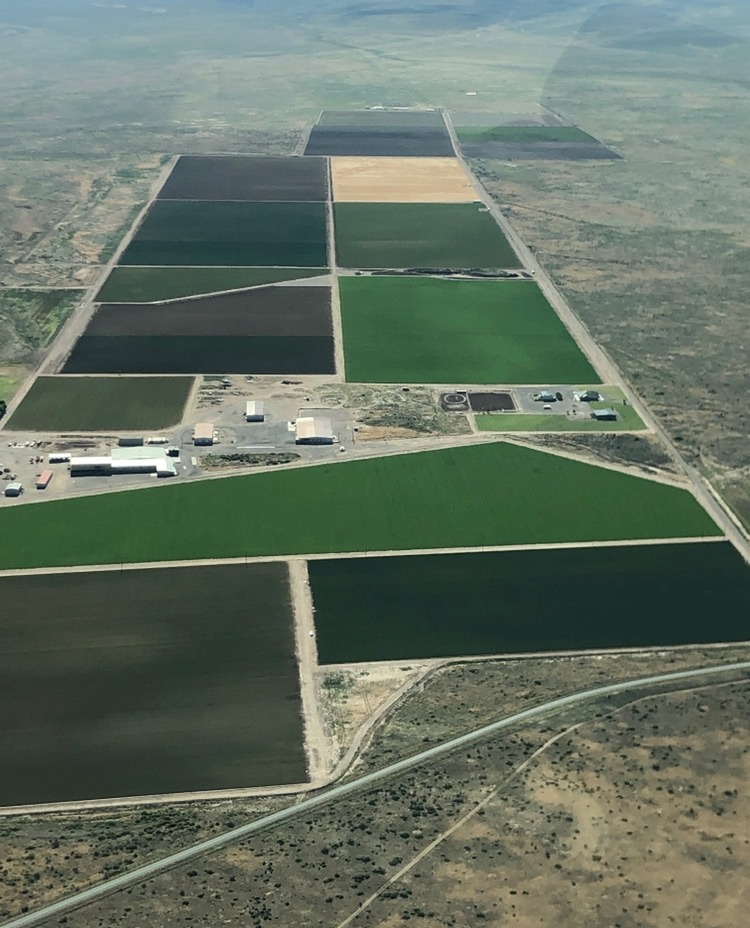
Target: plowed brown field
{"type": "Point", "coordinates": [401, 180]}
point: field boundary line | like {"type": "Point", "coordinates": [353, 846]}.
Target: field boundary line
{"type": "Point", "coordinates": [305, 806]}
{"type": "Point", "coordinates": [345, 555]}
{"type": "Point", "coordinates": [316, 742]}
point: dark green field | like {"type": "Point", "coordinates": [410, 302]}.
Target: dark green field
{"type": "Point", "coordinates": [153, 284]}
{"type": "Point", "coordinates": [432, 235]}
{"type": "Point", "coordinates": [487, 494]}
{"type": "Point", "coordinates": [430, 330]}
{"type": "Point", "coordinates": [200, 354]}
{"type": "Point", "coordinates": [127, 683]}
{"type": "Point", "coordinates": [192, 232]}
{"type": "Point", "coordinates": [520, 601]}
{"type": "Point", "coordinates": [86, 404]}
{"type": "Point", "coordinates": [523, 134]}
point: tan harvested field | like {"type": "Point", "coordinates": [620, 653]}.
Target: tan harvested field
{"type": "Point", "coordinates": [401, 180]}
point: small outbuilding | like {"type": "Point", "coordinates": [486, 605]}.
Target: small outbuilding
{"type": "Point", "coordinates": [604, 415]}
{"type": "Point", "coordinates": [203, 433]}
{"type": "Point", "coordinates": [42, 481]}
{"type": "Point", "coordinates": [14, 489]}
{"type": "Point", "coordinates": [254, 411]}
{"type": "Point", "coordinates": [590, 396]}
{"type": "Point", "coordinates": [314, 430]}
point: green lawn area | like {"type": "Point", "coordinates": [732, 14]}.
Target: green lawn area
{"type": "Point", "coordinates": [432, 330]}
{"type": "Point", "coordinates": [86, 404]}
{"type": "Point", "coordinates": [8, 386]}
{"type": "Point", "coordinates": [523, 134]}
{"type": "Point", "coordinates": [403, 235]}
{"type": "Point", "coordinates": [152, 284]}
{"type": "Point", "coordinates": [486, 494]}
{"type": "Point", "coordinates": [523, 422]}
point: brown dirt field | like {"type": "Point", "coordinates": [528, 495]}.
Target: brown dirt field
{"type": "Point", "coordinates": [400, 180]}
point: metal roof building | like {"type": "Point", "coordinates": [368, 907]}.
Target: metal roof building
{"type": "Point", "coordinates": [254, 411]}
{"type": "Point", "coordinates": [604, 415]}
{"type": "Point", "coordinates": [203, 434]}
{"type": "Point", "coordinates": [314, 430]}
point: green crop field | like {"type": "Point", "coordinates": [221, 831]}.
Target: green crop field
{"type": "Point", "coordinates": [520, 601]}
{"type": "Point", "coordinates": [152, 284]}
{"type": "Point", "coordinates": [86, 404]}
{"type": "Point", "coordinates": [234, 234]}
{"type": "Point", "coordinates": [403, 235]}
{"type": "Point", "coordinates": [523, 134]}
{"type": "Point", "coordinates": [430, 330]}
{"type": "Point", "coordinates": [628, 420]}
{"type": "Point", "coordinates": [487, 494]}
{"type": "Point", "coordinates": [123, 683]}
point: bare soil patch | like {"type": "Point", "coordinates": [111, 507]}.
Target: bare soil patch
{"type": "Point", "coordinates": [401, 180]}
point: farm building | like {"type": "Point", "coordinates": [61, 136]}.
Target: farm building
{"type": "Point", "coordinates": [314, 430]}
{"type": "Point", "coordinates": [14, 489]}
{"type": "Point", "coordinates": [254, 411]}
{"type": "Point", "coordinates": [590, 396]}
{"type": "Point", "coordinates": [141, 460]}
{"type": "Point", "coordinates": [203, 434]}
{"type": "Point", "coordinates": [604, 415]}
{"type": "Point", "coordinates": [42, 481]}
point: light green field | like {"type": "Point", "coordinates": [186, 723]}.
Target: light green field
{"type": "Point", "coordinates": [152, 284]}
{"type": "Point", "coordinates": [8, 386]}
{"type": "Point", "coordinates": [628, 420]}
{"type": "Point", "coordinates": [431, 330]}
{"type": "Point", "coordinates": [485, 494]}
{"type": "Point", "coordinates": [85, 404]}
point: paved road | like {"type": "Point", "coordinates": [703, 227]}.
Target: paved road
{"type": "Point", "coordinates": [303, 808]}
{"type": "Point", "coordinates": [607, 369]}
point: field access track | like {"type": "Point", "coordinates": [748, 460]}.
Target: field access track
{"type": "Point", "coordinates": [511, 602]}
{"type": "Point", "coordinates": [493, 493]}
{"type": "Point", "coordinates": [152, 681]}
{"type": "Point", "coordinates": [432, 330]}
{"type": "Point", "coordinates": [156, 284]}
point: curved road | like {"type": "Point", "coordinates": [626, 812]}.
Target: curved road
{"type": "Point", "coordinates": [337, 792]}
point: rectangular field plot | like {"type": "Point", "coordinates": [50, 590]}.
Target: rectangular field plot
{"type": "Point", "coordinates": [87, 404]}
{"type": "Point", "coordinates": [560, 143]}
{"type": "Point", "coordinates": [386, 141]}
{"type": "Point", "coordinates": [234, 177]}
{"type": "Point", "coordinates": [269, 330]}
{"type": "Point", "coordinates": [486, 494]}
{"type": "Point", "coordinates": [432, 330]}
{"type": "Point", "coordinates": [451, 605]}
{"type": "Point", "coordinates": [382, 119]}
{"type": "Point", "coordinates": [156, 284]}
{"type": "Point", "coordinates": [429, 235]}
{"type": "Point", "coordinates": [128, 683]}
{"type": "Point", "coordinates": [191, 232]}
{"type": "Point", "coordinates": [263, 311]}
{"type": "Point", "coordinates": [401, 180]}
{"type": "Point", "coordinates": [199, 354]}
